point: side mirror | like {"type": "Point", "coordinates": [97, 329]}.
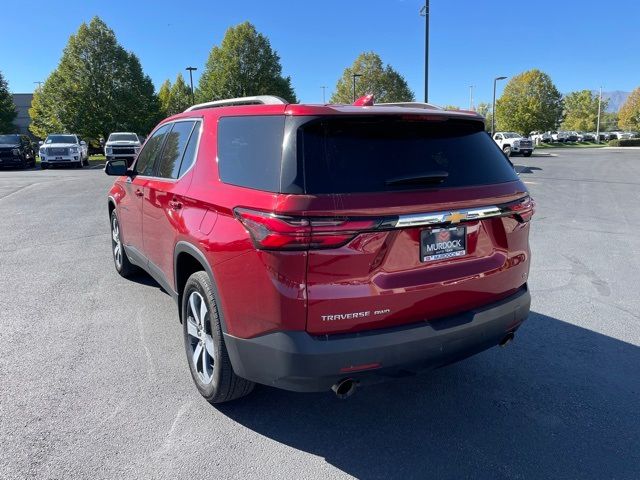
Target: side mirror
{"type": "Point", "coordinates": [40, 143]}
{"type": "Point", "coordinates": [83, 143]}
{"type": "Point", "coordinates": [117, 168]}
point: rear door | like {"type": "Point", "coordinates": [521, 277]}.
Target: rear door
{"type": "Point", "coordinates": [130, 206]}
{"type": "Point", "coordinates": [441, 197]}
{"type": "Point", "coordinates": [165, 198]}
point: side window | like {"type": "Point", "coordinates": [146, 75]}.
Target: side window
{"type": "Point", "coordinates": [250, 151]}
{"type": "Point", "coordinates": [174, 146]}
{"type": "Point", "coordinates": [190, 153]}
{"type": "Point", "coordinates": [145, 161]}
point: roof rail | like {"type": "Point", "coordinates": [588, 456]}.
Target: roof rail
{"type": "Point", "coordinates": [229, 102]}
{"type": "Point", "coordinates": [426, 106]}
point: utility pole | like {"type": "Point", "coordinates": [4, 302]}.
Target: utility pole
{"type": "Point", "coordinates": [39, 82]}
{"type": "Point", "coordinates": [323, 94]}
{"type": "Point", "coordinates": [355, 75]}
{"type": "Point", "coordinates": [471, 97]}
{"type": "Point", "coordinates": [493, 110]}
{"type": "Point", "coordinates": [424, 11]}
{"type": "Point", "coordinates": [191, 69]}
{"type": "Point", "coordinates": [598, 124]}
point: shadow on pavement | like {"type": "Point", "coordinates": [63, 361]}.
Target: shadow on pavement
{"type": "Point", "coordinates": [559, 402]}
{"type": "Point", "coordinates": [525, 168]}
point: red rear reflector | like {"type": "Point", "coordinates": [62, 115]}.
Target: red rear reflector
{"type": "Point", "coordinates": [524, 210]}
{"type": "Point", "coordinates": [358, 368]}
{"type": "Point", "coordinates": [279, 232]}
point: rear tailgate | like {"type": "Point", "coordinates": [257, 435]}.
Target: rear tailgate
{"type": "Point", "coordinates": [447, 234]}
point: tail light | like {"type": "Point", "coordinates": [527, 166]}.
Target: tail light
{"type": "Point", "coordinates": [278, 232]}
{"type": "Point", "coordinates": [523, 210]}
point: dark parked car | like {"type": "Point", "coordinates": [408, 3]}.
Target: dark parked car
{"type": "Point", "coordinates": [16, 151]}
{"type": "Point", "coordinates": [319, 247]}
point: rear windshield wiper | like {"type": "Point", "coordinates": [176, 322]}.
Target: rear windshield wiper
{"type": "Point", "coordinates": [424, 179]}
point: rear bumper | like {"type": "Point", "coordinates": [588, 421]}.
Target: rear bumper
{"type": "Point", "coordinates": [300, 362]}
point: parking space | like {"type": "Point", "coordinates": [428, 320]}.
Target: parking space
{"type": "Point", "coordinates": [94, 381]}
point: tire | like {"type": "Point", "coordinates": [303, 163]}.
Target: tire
{"type": "Point", "coordinates": [527, 154]}
{"type": "Point", "coordinates": [120, 260]}
{"type": "Point", "coordinates": [507, 150]}
{"type": "Point", "coordinates": [24, 165]}
{"type": "Point", "coordinates": [207, 355]}
{"type": "Point", "coordinates": [86, 161]}
{"type": "Point", "coordinates": [43, 166]}
{"type": "Point", "coordinates": [78, 164]}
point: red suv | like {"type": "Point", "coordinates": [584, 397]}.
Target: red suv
{"type": "Point", "coordinates": [317, 247]}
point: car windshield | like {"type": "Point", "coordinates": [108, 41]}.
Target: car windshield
{"type": "Point", "coordinates": [123, 137]}
{"type": "Point", "coordinates": [61, 139]}
{"type": "Point", "coordinates": [10, 139]}
{"type": "Point", "coordinates": [511, 135]}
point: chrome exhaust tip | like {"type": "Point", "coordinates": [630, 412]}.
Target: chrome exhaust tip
{"type": "Point", "coordinates": [344, 388]}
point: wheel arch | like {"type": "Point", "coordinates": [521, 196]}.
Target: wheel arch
{"type": "Point", "coordinates": [188, 259]}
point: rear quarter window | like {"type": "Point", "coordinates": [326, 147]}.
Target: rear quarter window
{"type": "Point", "coordinates": [250, 151]}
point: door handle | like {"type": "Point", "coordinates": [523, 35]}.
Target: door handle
{"type": "Point", "coordinates": [139, 193]}
{"type": "Point", "coordinates": [175, 205]}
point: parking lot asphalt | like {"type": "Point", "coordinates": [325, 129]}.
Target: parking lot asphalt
{"type": "Point", "coordinates": [94, 383]}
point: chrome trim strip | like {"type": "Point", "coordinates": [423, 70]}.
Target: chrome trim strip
{"type": "Point", "coordinates": [453, 217]}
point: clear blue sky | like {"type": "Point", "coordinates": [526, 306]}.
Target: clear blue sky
{"type": "Point", "coordinates": [581, 44]}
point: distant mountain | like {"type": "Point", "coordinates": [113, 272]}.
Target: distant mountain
{"type": "Point", "coordinates": [616, 99]}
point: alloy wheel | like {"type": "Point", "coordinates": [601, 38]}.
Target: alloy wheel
{"type": "Point", "coordinates": [116, 243]}
{"type": "Point", "coordinates": [200, 341]}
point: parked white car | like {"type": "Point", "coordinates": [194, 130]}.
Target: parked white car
{"type": "Point", "coordinates": [122, 146]}
{"type": "Point", "coordinates": [537, 137]}
{"type": "Point", "coordinates": [63, 149]}
{"type": "Point", "coordinates": [511, 142]}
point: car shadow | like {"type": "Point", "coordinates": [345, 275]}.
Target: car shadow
{"type": "Point", "coordinates": [143, 278]}
{"type": "Point", "coordinates": [525, 168]}
{"type": "Point", "coordinates": [559, 402]}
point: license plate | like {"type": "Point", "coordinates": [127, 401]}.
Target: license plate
{"type": "Point", "coordinates": [58, 158]}
{"type": "Point", "coordinates": [441, 243]}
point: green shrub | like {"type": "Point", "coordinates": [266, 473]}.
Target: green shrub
{"type": "Point", "coordinates": [628, 142]}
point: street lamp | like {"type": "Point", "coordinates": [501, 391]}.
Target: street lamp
{"type": "Point", "coordinates": [324, 88]}
{"type": "Point", "coordinates": [599, 110]}
{"type": "Point", "coordinates": [471, 97]}
{"type": "Point", "coordinates": [424, 11]}
{"type": "Point", "coordinates": [493, 111]}
{"type": "Point", "coordinates": [191, 69]}
{"type": "Point", "coordinates": [355, 75]}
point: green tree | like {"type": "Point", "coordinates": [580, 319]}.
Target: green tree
{"type": "Point", "coordinates": [8, 111]}
{"type": "Point", "coordinates": [180, 98]}
{"type": "Point", "coordinates": [97, 88]}
{"type": "Point", "coordinates": [581, 111]}
{"type": "Point", "coordinates": [383, 82]}
{"type": "Point", "coordinates": [451, 107]}
{"type": "Point", "coordinates": [629, 114]}
{"type": "Point", "coordinates": [243, 65]}
{"type": "Point", "coordinates": [164, 97]}
{"type": "Point", "coordinates": [608, 121]}
{"type": "Point", "coordinates": [484, 109]}
{"type": "Point", "coordinates": [530, 101]}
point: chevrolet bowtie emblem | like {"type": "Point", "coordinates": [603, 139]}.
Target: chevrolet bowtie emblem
{"type": "Point", "coordinates": [455, 217]}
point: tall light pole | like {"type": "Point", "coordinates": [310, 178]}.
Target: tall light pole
{"type": "Point", "coordinates": [471, 97]}
{"type": "Point", "coordinates": [493, 110]}
{"type": "Point", "coordinates": [191, 69]}
{"type": "Point", "coordinates": [323, 94]}
{"type": "Point", "coordinates": [355, 75]}
{"type": "Point", "coordinates": [598, 124]}
{"type": "Point", "coordinates": [39, 82]}
{"type": "Point", "coordinates": [424, 11]}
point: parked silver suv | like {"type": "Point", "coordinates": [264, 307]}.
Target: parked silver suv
{"type": "Point", "coordinates": [122, 146]}
{"type": "Point", "coordinates": [63, 149]}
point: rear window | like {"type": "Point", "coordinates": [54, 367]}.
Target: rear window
{"type": "Point", "coordinates": [250, 151]}
{"type": "Point", "coordinates": [392, 154]}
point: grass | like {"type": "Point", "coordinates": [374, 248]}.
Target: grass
{"type": "Point", "coordinates": [543, 146]}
